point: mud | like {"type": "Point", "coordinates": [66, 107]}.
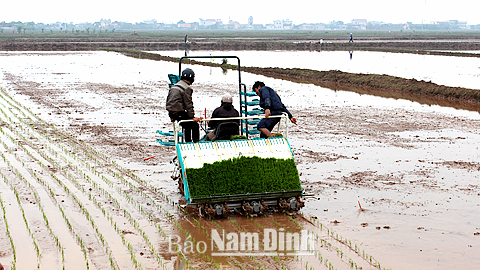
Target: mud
{"type": "Point", "coordinates": [411, 42]}
{"type": "Point", "coordinates": [390, 187]}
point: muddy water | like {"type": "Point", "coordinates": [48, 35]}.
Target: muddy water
{"type": "Point", "coordinates": [443, 70]}
{"type": "Point", "coordinates": [414, 169]}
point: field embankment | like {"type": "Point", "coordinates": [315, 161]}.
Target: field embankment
{"type": "Point", "coordinates": [402, 41]}
{"type": "Point", "coordinates": [373, 84]}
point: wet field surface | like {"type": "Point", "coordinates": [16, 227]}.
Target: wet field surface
{"type": "Point", "coordinates": [393, 184]}
{"type": "Point", "coordinates": [442, 70]}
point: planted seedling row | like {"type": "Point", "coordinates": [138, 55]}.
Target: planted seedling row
{"type": "Point", "coordinates": [53, 196]}
{"type": "Point", "coordinates": [98, 203]}
{"type": "Point", "coordinates": [22, 235]}
{"type": "Point", "coordinates": [84, 210]}
{"type": "Point", "coordinates": [40, 208]}
{"type": "Point", "coordinates": [9, 234]}
{"type": "Point", "coordinates": [348, 243]}
{"type": "Point", "coordinates": [111, 198]}
{"type": "Point", "coordinates": [66, 189]}
{"type": "Point", "coordinates": [50, 192]}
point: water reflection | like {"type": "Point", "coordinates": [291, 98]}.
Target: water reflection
{"type": "Point", "coordinates": [67, 70]}
{"type": "Point", "coordinates": [442, 70]}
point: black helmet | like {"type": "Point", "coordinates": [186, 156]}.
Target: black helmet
{"type": "Point", "coordinates": [188, 74]}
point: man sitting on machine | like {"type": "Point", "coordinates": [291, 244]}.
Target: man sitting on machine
{"type": "Point", "coordinates": [223, 129]}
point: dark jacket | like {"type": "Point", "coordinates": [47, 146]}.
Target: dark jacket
{"type": "Point", "coordinates": [179, 99]}
{"type": "Point", "coordinates": [224, 111]}
{"type": "Point", "coordinates": [270, 100]}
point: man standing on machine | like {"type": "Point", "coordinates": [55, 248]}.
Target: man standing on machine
{"type": "Point", "coordinates": [180, 105]}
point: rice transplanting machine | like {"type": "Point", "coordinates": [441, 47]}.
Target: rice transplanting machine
{"type": "Point", "coordinates": [244, 174]}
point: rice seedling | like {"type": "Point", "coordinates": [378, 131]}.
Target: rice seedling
{"type": "Point", "coordinates": [126, 214]}
{"type": "Point", "coordinates": [17, 196]}
{"type": "Point", "coordinates": [52, 194]}
{"type": "Point", "coordinates": [9, 235]}
{"type": "Point", "coordinates": [355, 249]}
{"type": "Point", "coordinates": [41, 209]}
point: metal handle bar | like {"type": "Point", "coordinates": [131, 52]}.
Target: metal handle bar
{"type": "Point", "coordinates": [176, 125]}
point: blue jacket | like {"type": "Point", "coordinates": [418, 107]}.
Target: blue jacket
{"type": "Point", "coordinates": [270, 100]}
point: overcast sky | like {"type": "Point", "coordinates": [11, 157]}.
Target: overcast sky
{"type": "Point", "coordinates": [263, 12]}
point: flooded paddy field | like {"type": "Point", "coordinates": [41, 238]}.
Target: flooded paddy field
{"type": "Point", "coordinates": [442, 70]}
{"type": "Point", "coordinates": [394, 184]}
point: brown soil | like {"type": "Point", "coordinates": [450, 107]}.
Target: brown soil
{"type": "Point", "coordinates": [255, 41]}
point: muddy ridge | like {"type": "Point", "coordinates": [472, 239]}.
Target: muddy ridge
{"type": "Point", "coordinates": [372, 84]}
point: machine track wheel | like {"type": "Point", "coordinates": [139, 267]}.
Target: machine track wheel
{"type": "Point", "coordinates": [264, 206]}
{"type": "Point", "coordinates": [300, 203]}
{"type": "Point", "coordinates": [283, 205]}
{"type": "Point", "coordinates": [247, 208]}
{"type": "Point", "coordinates": [226, 209]}
{"type": "Point", "coordinates": [209, 210]}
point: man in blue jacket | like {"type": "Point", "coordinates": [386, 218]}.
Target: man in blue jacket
{"type": "Point", "coordinates": [271, 102]}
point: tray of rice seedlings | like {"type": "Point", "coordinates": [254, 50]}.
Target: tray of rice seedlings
{"type": "Point", "coordinates": [240, 176]}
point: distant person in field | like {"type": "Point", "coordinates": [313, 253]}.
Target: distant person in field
{"type": "Point", "coordinates": [187, 45]}
{"type": "Point", "coordinates": [226, 110]}
{"type": "Point", "coordinates": [180, 105]}
{"type": "Point", "coordinates": [271, 102]}
{"type": "Point", "coordinates": [351, 38]}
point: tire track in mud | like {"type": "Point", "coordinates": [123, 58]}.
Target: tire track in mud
{"type": "Point", "coordinates": [90, 213]}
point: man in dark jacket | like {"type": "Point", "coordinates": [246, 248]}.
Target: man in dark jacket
{"type": "Point", "coordinates": [180, 105]}
{"type": "Point", "coordinates": [226, 110]}
{"type": "Point", "coordinates": [271, 102]}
